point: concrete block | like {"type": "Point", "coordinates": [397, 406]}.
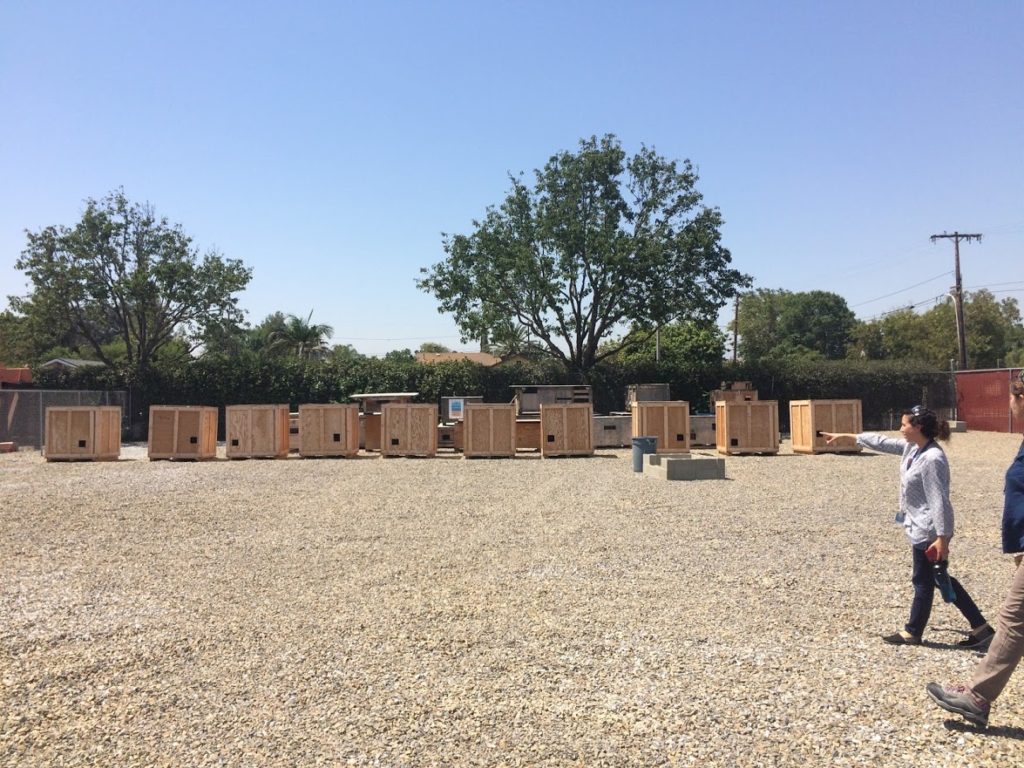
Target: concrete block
{"type": "Point", "coordinates": [958, 426]}
{"type": "Point", "coordinates": [8, 447]}
{"type": "Point", "coordinates": [684, 467]}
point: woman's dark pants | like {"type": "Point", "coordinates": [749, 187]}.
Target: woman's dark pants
{"type": "Point", "coordinates": [924, 592]}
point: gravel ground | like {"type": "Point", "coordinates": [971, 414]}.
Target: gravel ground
{"type": "Point", "coordinates": [414, 612]}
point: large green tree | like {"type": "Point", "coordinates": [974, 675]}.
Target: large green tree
{"type": "Point", "coordinates": [599, 242]}
{"type": "Point", "coordinates": [993, 329]}
{"type": "Point", "coordinates": [686, 346]}
{"type": "Point", "coordinates": [123, 275]}
{"type": "Point", "coordinates": [16, 347]}
{"type": "Point", "coordinates": [780, 323]}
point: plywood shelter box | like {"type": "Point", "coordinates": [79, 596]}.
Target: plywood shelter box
{"type": "Point", "coordinates": [182, 432]}
{"type": "Point", "coordinates": [329, 429]}
{"type": "Point", "coordinates": [667, 420]}
{"type": "Point", "coordinates": [702, 430]}
{"type": "Point", "coordinates": [82, 433]}
{"type": "Point", "coordinates": [529, 398]}
{"type": "Point", "coordinates": [489, 430]}
{"type": "Point", "coordinates": [408, 429]}
{"type": "Point", "coordinates": [613, 431]}
{"type": "Point", "coordinates": [256, 431]}
{"type": "Point", "coordinates": [646, 392]}
{"type": "Point", "coordinates": [747, 426]}
{"type": "Point", "coordinates": [809, 418]}
{"type": "Point", "coordinates": [567, 430]}
{"type": "Point", "coordinates": [370, 414]}
{"type": "Point", "coordinates": [733, 390]}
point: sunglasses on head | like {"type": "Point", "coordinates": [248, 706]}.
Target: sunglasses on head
{"type": "Point", "coordinates": [918, 410]}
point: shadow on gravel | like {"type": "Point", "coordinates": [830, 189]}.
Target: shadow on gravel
{"type": "Point", "coordinates": [1005, 732]}
{"type": "Point", "coordinates": [952, 646]}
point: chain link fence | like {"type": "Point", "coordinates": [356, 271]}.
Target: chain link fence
{"type": "Point", "coordinates": [23, 411]}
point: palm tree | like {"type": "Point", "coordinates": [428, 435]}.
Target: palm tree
{"type": "Point", "coordinates": [302, 338]}
{"type": "Point", "coordinates": [509, 338]}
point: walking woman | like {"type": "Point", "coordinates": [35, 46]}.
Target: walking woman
{"type": "Point", "coordinates": [993, 672]}
{"type": "Point", "coordinates": [927, 517]}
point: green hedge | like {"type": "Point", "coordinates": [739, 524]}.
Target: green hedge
{"type": "Point", "coordinates": [883, 387]}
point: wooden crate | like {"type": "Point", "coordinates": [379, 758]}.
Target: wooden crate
{"type": "Point", "coordinates": [329, 429]}
{"type": "Point", "coordinates": [809, 418]}
{"type": "Point", "coordinates": [182, 432]}
{"type": "Point", "coordinates": [256, 431]}
{"type": "Point", "coordinates": [747, 426]}
{"type": "Point", "coordinates": [528, 434]}
{"type": "Point", "coordinates": [408, 429]}
{"type": "Point", "coordinates": [567, 430]}
{"type": "Point", "coordinates": [667, 420]}
{"type": "Point", "coordinates": [612, 431]}
{"type": "Point", "coordinates": [489, 430]}
{"type": "Point", "coordinates": [83, 433]}
{"type": "Point", "coordinates": [702, 430]}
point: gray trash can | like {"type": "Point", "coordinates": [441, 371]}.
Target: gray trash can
{"type": "Point", "coordinates": [642, 445]}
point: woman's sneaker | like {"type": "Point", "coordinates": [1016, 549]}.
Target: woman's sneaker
{"type": "Point", "coordinates": [959, 699]}
{"type": "Point", "coordinates": [979, 638]}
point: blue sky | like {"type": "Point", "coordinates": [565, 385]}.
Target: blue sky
{"type": "Point", "coordinates": [329, 144]}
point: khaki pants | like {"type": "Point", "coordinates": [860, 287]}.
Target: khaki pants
{"type": "Point", "coordinates": [993, 672]}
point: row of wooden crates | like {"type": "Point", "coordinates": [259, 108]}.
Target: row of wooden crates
{"type": "Point", "coordinates": [263, 431]}
{"type": "Point", "coordinates": [400, 429]}
{"type": "Point", "coordinates": [408, 429]}
{"type": "Point", "coordinates": [751, 426]}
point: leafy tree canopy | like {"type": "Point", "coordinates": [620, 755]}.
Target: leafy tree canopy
{"type": "Point", "coordinates": [16, 344]}
{"type": "Point", "coordinates": [686, 345]}
{"type": "Point", "coordinates": [345, 354]}
{"type": "Point", "coordinates": [780, 323]}
{"type": "Point", "coordinates": [432, 346]}
{"type": "Point", "coordinates": [400, 356]}
{"type": "Point", "coordinates": [993, 329]}
{"type": "Point", "coordinates": [601, 240]}
{"type": "Point", "coordinates": [122, 275]}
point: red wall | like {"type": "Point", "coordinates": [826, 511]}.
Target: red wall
{"type": "Point", "coordinates": [983, 400]}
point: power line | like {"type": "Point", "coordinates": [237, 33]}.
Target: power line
{"type": "Point", "coordinates": [902, 290]}
{"type": "Point", "coordinates": [923, 302]}
{"type": "Point", "coordinates": [993, 285]}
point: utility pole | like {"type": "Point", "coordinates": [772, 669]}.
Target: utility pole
{"type": "Point", "coordinates": [735, 325]}
{"type": "Point", "coordinates": [957, 291]}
